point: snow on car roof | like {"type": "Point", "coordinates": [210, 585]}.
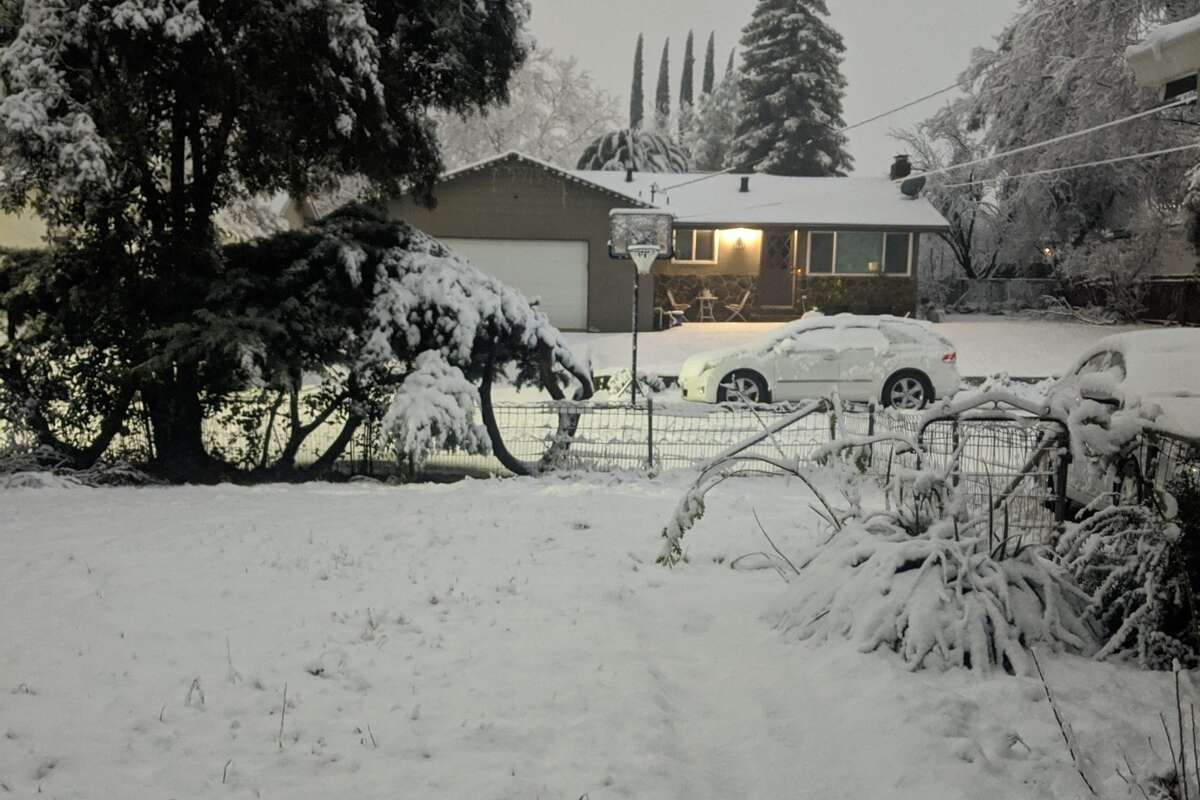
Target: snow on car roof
{"type": "Point", "coordinates": [1162, 367]}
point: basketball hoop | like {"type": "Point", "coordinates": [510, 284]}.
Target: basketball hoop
{"type": "Point", "coordinates": [640, 235]}
{"type": "Point", "coordinates": [643, 256]}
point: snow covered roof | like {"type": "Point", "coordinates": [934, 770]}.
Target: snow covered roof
{"type": "Point", "coordinates": [703, 199]}
{"type": "Point", "coordinates": [1169, 52]}
{"type": "Point", "coordinates": [514, 156]}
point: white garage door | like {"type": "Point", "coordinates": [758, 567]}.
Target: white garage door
{"type": "Point", "coordinates": [554, 271]}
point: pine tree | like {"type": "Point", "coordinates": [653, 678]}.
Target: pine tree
{"type": "Point", "coordinates": [687, 101]}
{"type": "Point", "coordinates": [709, 140]}
{"type": "Point", "coordinates": [662, 93]}
{"type": "Point", "coordinates": [637, 103]}
{"type": "Point", "coordinates": [710, 69]}
{"type": "Point", "coordinates": [686, 96]}
{"type": "Point", "coordinates": [792, 89]}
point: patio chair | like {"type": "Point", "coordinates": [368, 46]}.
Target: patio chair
{"type": "Point", "coordinates": [676, 305]}
{"type": "Point", "coordinates": [736, 309]}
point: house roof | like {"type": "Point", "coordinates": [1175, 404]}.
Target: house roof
{"type": "Point", "coordinates": [706, 199]}
{"type": "Point", "coordinates": [568, 175]}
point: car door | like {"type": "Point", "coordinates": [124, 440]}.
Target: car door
{"type": "Point", "coordinates": [860, 359]}
{"type": "Point", "coordinates": [806, 364]}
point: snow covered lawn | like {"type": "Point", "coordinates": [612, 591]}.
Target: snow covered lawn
{"type": "Point", "coordinates": [487, 639]}
{"type": "Point", "coordinates": [1020, 346]}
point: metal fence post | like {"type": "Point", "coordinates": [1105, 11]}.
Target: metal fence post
{"type": "Point", "coordinates": [649, 432]}
{"type": "Point", "coordinates": [954, 440]}
{"type": "Point", "coordinates": [1062, 461]}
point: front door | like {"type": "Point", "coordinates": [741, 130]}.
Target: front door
{"type": "Point", "coordinates": [775, 269]}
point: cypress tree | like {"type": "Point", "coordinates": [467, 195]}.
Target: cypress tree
{"type": "Point", "coordinates": [729, 66]}
{"type": "Point", "coordinates": [662, 94]}
{"type": "Point", "coordinates": [636, 102]}
{"type": "Point", "coordinates": [686, 97]}
{"type": "Point", "coordinates": [710, 70]}
{"type": "Point", "coordinates": [791, 89]}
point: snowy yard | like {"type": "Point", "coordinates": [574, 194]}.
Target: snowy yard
{"type": "Point", "coordinates": [487, 639]}
{"type": "Point", "coordinates": [987, 345]}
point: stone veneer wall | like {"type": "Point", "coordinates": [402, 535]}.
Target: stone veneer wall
{"type": "Point", "coordinates": [858, 295]}
{"type": "Point", "coordinates": [873, 294]}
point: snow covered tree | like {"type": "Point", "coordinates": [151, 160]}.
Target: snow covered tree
{"type": "Point", "coordinates": [639, 150]}
{"type": "Point", "coordinates": [127, 124]}
{"type": "Point", "coordinates": [351, 319]}
{"type": "Point", "coordinates": [710, 139]}
{"type": "Point", "coordinates": [941, 141]}
{"type": "Point", "coordinates": [687, 100]}
{"type": "Point", "coordinates": [554, 108]}
{"type": "Point", "coordinates": [1059, 67]}
{"type": "Point", "coordinates": [710, 67]}
{"type": "Point", "coordinates": [792, 89]}
{"type": "Point", "coordinates": [662, 92]}
{"type": "Point", "coordinates": [637, 102]}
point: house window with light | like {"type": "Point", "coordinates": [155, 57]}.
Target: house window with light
{"type": "Point", "coordinates": [695, 246]}
{"type": "Point", "coordinates": [859, 253]}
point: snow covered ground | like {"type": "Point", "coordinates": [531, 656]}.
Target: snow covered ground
{"type": "Point", "coordinates": [487, 639]}
{"type": "Point", "coordinates": [986, 345]}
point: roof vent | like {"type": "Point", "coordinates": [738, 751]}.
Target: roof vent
{"type": "Point", "coordinates": [745, 187]}
{"type": "Point", "coordinates": [629, 175]}
{"type": "Point", "coordinates": [901, 167]}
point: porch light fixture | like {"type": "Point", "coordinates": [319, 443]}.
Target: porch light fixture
{"type": "Point", "coordinates": [873, 267]}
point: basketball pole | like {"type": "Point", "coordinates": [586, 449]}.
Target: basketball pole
{"type": "Point", "coordinates": [637, 277]}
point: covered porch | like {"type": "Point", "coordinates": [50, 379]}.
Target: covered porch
{"type": "Point", "coordinates": [770, 273]}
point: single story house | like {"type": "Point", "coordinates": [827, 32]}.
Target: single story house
{"type": "Point", "coordinates": [840, 244]}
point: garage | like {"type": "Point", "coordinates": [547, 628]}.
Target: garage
{"type": "Point", "coordinates": [554, 271]}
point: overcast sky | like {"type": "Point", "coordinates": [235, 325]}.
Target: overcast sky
{"type": "Point", "coordinates": [896, 50]}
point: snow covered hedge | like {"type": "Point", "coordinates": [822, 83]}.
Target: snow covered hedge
{"type": "Point", "coordinates": [306, 337]}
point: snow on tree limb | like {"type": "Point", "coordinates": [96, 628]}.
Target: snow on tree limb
{"type": "Point", "coordinates": [434, 410]}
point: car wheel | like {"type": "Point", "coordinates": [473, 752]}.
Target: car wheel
{"type": "Point", "coordinates": [739, 386]}
{"type": "Point", "coordinates": [908, 391]}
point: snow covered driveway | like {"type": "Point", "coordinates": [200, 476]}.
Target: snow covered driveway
{"type": "Point", "coordinates": [494, 639]}
{"type": "Point", "coordinates": [986, 345]}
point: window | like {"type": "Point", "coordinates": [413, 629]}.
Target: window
{"type": "Point", "coordinates": [896, 249]}
{"type": "Point", "coordinates": [853, 252]}
{"type": "Point", "coordinates": [856, 251]}
{"type": "Point", "coordinates": [820, 253]}
{"type": "Point", "coordinates": [696, 246]}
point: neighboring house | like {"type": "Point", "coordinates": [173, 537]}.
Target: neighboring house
{"type": "Point", "coordinates": [840, 244]}
{"type": "Point", "coordinates": [22, 230]}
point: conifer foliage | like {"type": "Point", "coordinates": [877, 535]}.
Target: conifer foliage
{"type": "Point", "coordinates": [128, 124]}
{"type": "Point", "coordinates": [792, 89]}
{"type": "Point", "coordinates": [637, 102]}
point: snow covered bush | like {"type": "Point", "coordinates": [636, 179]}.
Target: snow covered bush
{"type": "Point", "coordinates": [920, 576]}
{"type": "Point", "coordinates": [434, 408]}
{"type": "Point", "coordinates": [1141, 566]}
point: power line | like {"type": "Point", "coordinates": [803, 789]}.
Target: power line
{"type": "Point", "coordinates": [1056, 140]}
{"type": "Point", "coordinates": [839, 131]}
{"type": "Point", "coordinates": [1053, 170]}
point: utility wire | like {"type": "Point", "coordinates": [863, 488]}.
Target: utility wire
{"type": "Point", "coordinates": [839, 131]}
{"type": "Point", "coordinates": [1053, 170]}
{"type": "Point", "coordinates": [1056, 140]}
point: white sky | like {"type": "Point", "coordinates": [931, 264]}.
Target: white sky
{"type": "Point", "coordinates": [896, 50]}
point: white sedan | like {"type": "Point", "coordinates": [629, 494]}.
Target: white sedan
{"type": "Point", "coordinates": [894, 361]}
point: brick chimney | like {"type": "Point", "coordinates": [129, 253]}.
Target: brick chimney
{"type": "Point", "coordinates": [745, 185]}
{"type": "Point", "coordinates": [901, 167]}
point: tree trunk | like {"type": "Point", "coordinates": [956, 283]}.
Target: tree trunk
{"type": "Point", "coordinates": [176, 418]}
